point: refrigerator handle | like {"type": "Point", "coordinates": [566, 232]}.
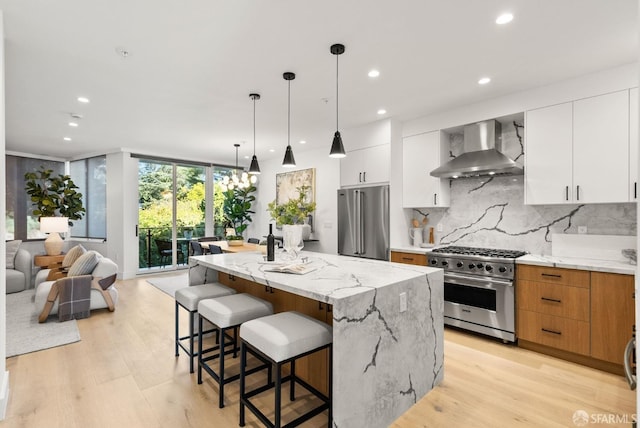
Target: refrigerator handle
{"type": "Point", "coordinates": [356, 215]}
{"type": "Point", "coordinates": [361, 249]}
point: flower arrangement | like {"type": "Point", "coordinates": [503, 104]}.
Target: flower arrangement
{"type": "Point", "coordinates": [294, 211]}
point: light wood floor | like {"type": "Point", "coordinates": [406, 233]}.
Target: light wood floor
{"type": "Point", "coordinates": [123, 373]}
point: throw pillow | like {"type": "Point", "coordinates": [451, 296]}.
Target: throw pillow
{"type": "Point", "coordinates": [73, 255]}
{"type": "Point", "coordinates": [84, 265]}
{"type": "Point", "coordinates": [12, 250]}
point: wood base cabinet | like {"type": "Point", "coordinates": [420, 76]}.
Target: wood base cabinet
{"type": "Point", "coordinates": [409, 258]}
{"type": "Point", "coordinates": [585, 317]}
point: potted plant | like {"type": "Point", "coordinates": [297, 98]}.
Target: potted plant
{"type": "Point", "coordinates": [54, 195]}
{"type": "Point", "coordinates": [237, 211]}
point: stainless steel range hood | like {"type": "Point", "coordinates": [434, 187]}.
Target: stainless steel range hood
{"type": "Point", "coordinates": [482, 154]}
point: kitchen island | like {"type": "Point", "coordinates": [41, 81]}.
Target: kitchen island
{"type": "Point", "coordinates": [385, 356]}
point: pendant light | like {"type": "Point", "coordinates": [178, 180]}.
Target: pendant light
{"type": "Point", "coordinates": [254, 169]}
{"type": "Point", "coordinates": [289, 161]}
{"type": "Point", "coordinates": [337, 149]}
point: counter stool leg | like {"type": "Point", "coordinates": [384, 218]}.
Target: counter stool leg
{"type": "Point", "coordinates": [177, 329]}
{"type": "Point", "coordinates": [243, 363]}
{"type": "Point", "coordinates": [221, 372]}
{"type": "Point", "coordinates": [292, 384]}
{"type": "Point", "coordinates": [278, 399]}
{"type": "Point", "coordinates": [191, 341]}
{"type": "Point", "coordinates": [330, 385]}
{"type": "Point", "coordinates": [235, 341]}
{"type": "Point", "coordinates": [199, 349]}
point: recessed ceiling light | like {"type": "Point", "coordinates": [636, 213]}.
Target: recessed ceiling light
{"type": "Point", "coordinates": [73, 124]}
{"type": "Point", "coordinates": [272, 150]}
{"type": "Point", "coordinates": [67, 139]}
{"type": "Point", "coordinates": [83, 100]}
{"type": "Point", "coordinates": [246, 157]}
{"type": "Point", "coordinates": [374, 73]}
{"type": "Point", "coordinates": [303, 142]}
{"type": "Point", "coordinates": [484, 81]}
{"type": "Point", "coordinates": [382, 111]}
{"type": "Point", "coordinates": [505, 18]}
{"type": "Point", "coordinates": [123, 52]}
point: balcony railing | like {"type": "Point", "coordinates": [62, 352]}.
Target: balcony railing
{"type": "Point", "coordinates": [150, 256]}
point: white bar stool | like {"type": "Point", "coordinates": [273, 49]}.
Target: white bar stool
{"type": "Point", "coordinates": [225, 313]}
{"type": "Point", "coordinates": [188, 298]}
{"type": "Point", "coordinates": [283, 338]}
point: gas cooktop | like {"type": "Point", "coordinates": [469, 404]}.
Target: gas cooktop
{"type": "Point", "coordinates": [483, 252]}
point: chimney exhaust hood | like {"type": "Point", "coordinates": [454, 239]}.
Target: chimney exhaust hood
{"type": "Point", "coordinates": [482, 154]}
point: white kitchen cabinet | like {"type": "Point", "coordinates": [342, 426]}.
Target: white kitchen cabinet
{"type": "Point", "coordinates": [421, 154]}
{"type": "Point", "coordinates": [365, 166]}
{"type": "Point", "coordinates": [633, 144]}
{"type": "Point", "coordinates": [548, 152]}
{"type": "Point", "coordinates": [578, 152]}
{"type": "Point", "coordinates": [601, 148]}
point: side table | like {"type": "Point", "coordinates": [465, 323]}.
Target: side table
{"type": "Point", "coordinates": [51, 262]}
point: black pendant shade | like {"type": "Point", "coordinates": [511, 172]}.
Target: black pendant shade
{"type": "Point", "coordinates": [289, 161]}
{"type": "Point", "coordinates": [254, 168]}
{"type": "Point", "coordinates": [337, 148]}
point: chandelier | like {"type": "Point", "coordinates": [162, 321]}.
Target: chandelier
{"type": "Point", "coordinates": [232, 181]}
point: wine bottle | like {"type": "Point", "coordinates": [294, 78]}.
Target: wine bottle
{"type": "Point", "coordinates": [271, 245]}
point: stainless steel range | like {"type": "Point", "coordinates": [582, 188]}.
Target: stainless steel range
{"type": "Point", "coordinates": [478, 288]}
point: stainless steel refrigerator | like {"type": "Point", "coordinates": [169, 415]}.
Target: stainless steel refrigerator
{"type": "Point", "coordinates": [363, 222]}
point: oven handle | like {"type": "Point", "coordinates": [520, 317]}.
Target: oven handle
{"type": "Point", "coordinates": [473, 281]}
{"type": "Point", "coordinates": [628, 352]}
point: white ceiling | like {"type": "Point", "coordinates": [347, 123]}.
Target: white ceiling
{"type": "Point", "coordinates": [184, 89]}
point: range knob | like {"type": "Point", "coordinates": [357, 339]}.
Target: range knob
{"type": "Point", "coordinates": [459, 264]}
{"type": "Point", "coordinates": [502, 269]}
{"type": "Point", "coordinates": [445, 263]}
{"type": "Point", "coordinates": [433, 262]}
{"type": "Point", "coordinates": [471, 265]}
{"type": "Point", "coordinates": [479, 265]}
{"type": "Point", "coordinates": [489, 268]}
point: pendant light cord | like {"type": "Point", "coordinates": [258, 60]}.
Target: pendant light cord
{"type": "Point", "coordinates": [254, 126]}
{"type": "Point", "coordinates": [337, 126]}
{"type": "Point", "coordinates": [289, 116]}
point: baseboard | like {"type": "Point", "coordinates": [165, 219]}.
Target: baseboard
{"type": "Point", "coordinates": [4, 395]}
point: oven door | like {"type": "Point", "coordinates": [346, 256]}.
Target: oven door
{"type": "Point", "coordinates": [484, 305]}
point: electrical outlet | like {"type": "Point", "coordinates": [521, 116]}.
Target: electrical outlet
{"type": "Point", "coordinates": [439, 228]}
{"type": "Point", "coordinates": [403, 302]}
{"type": "Point", "coordinates": [582, 230]}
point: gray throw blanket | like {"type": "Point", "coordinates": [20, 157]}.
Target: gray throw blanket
{"type": "Point", "coordinates": [74, 298]}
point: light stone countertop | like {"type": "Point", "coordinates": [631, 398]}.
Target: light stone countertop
{"type": "Point", "coordinates": [578, 263]}
{"type": "Point", "coordinates": [335, 277]}
{"type": "Point", "coordinates": [413, 250]}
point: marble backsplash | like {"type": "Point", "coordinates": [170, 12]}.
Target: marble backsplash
{"type": "Point", "coordinates": [490, 211]}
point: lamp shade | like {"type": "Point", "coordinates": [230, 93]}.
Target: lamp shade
{"type": "Point", "coordinates": [254, 168]}
{"type": "Point", "coordinates": [289, 161]}
{"type": "Point", "coordinates": [337, 149]}
{"type": "Point", "coordinates": [54, 224]}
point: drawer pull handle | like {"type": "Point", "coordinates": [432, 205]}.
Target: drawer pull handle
{"type": "Point", "coordinates": [551, 331]}
{"type": "Point", "coordinates": [552, 275]}
{"type": "Point", "coordinates": [408, 258]}
{"type": "Point", "coordinates": [551, 300]}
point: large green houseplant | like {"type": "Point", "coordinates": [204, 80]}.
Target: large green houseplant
{"type": "Point", "coordinates": [237, 209]}
{"type": "Point", "coordinates": [54, 195]}
{"type": "Point", "coordinates": [294, 211]}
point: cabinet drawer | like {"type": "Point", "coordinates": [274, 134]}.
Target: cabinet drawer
{"type": "Point", "coordinates": [409, 258]}
{"type": "Point", "coordinates": [554, 299]}
{"type": "Point", "coordinates": [573, 277]}
{"type": "Point", "coordinates": [557, 332]}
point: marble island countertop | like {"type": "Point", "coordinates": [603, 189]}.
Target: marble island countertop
{"type": "Point", "coordinates": [578, 263]}
{"type": "Point", "coordinates": [412, 249]}
{"type": "Point", "coordinates": [333, 278]}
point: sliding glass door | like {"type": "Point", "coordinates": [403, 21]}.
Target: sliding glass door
{"type": "Point", "coordinates": [171, 213]}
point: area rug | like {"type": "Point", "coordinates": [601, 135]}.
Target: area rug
{"type": "Point", "coordinates": [170, 284]}
{"type": "Point", "coordinates": [25, 334]}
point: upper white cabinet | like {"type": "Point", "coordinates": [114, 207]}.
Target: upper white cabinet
{"type": "Point", "coordinates": [366, 166]}
{"type": "Point", "coordinates": [421, 154]}
{"type": "Point", "coordinates": [578, 152]}
{"type": "Point", "coordinates": [633, 144]}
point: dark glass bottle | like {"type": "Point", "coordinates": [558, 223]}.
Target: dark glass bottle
{"type": "Point", "coordinates": [271, 245]}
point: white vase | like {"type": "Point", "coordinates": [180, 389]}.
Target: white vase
{"type": "Point", "coordinates": [306, 231]}
{"type": "Point", "coordinates": [292, 239]}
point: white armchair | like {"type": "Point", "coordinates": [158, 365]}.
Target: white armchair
{"type": "Point", "coordinates": [99, 298]}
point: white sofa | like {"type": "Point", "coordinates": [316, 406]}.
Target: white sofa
{"type": "Point", "coordinates": [105, 267]}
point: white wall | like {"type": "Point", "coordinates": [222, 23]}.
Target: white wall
{"type": "Point", "coordinates": [327, 184]}
{"type": "Point", "coordinates": [4, 375]}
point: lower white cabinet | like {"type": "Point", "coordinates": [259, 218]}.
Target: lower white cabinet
{"type": "Point", "coordinates": [366, 166]}
{"type": "Point", "coordinates": [421, 154]}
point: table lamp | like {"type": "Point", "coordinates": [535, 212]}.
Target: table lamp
{"type": "Point", "coordinates": [54, 226]}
